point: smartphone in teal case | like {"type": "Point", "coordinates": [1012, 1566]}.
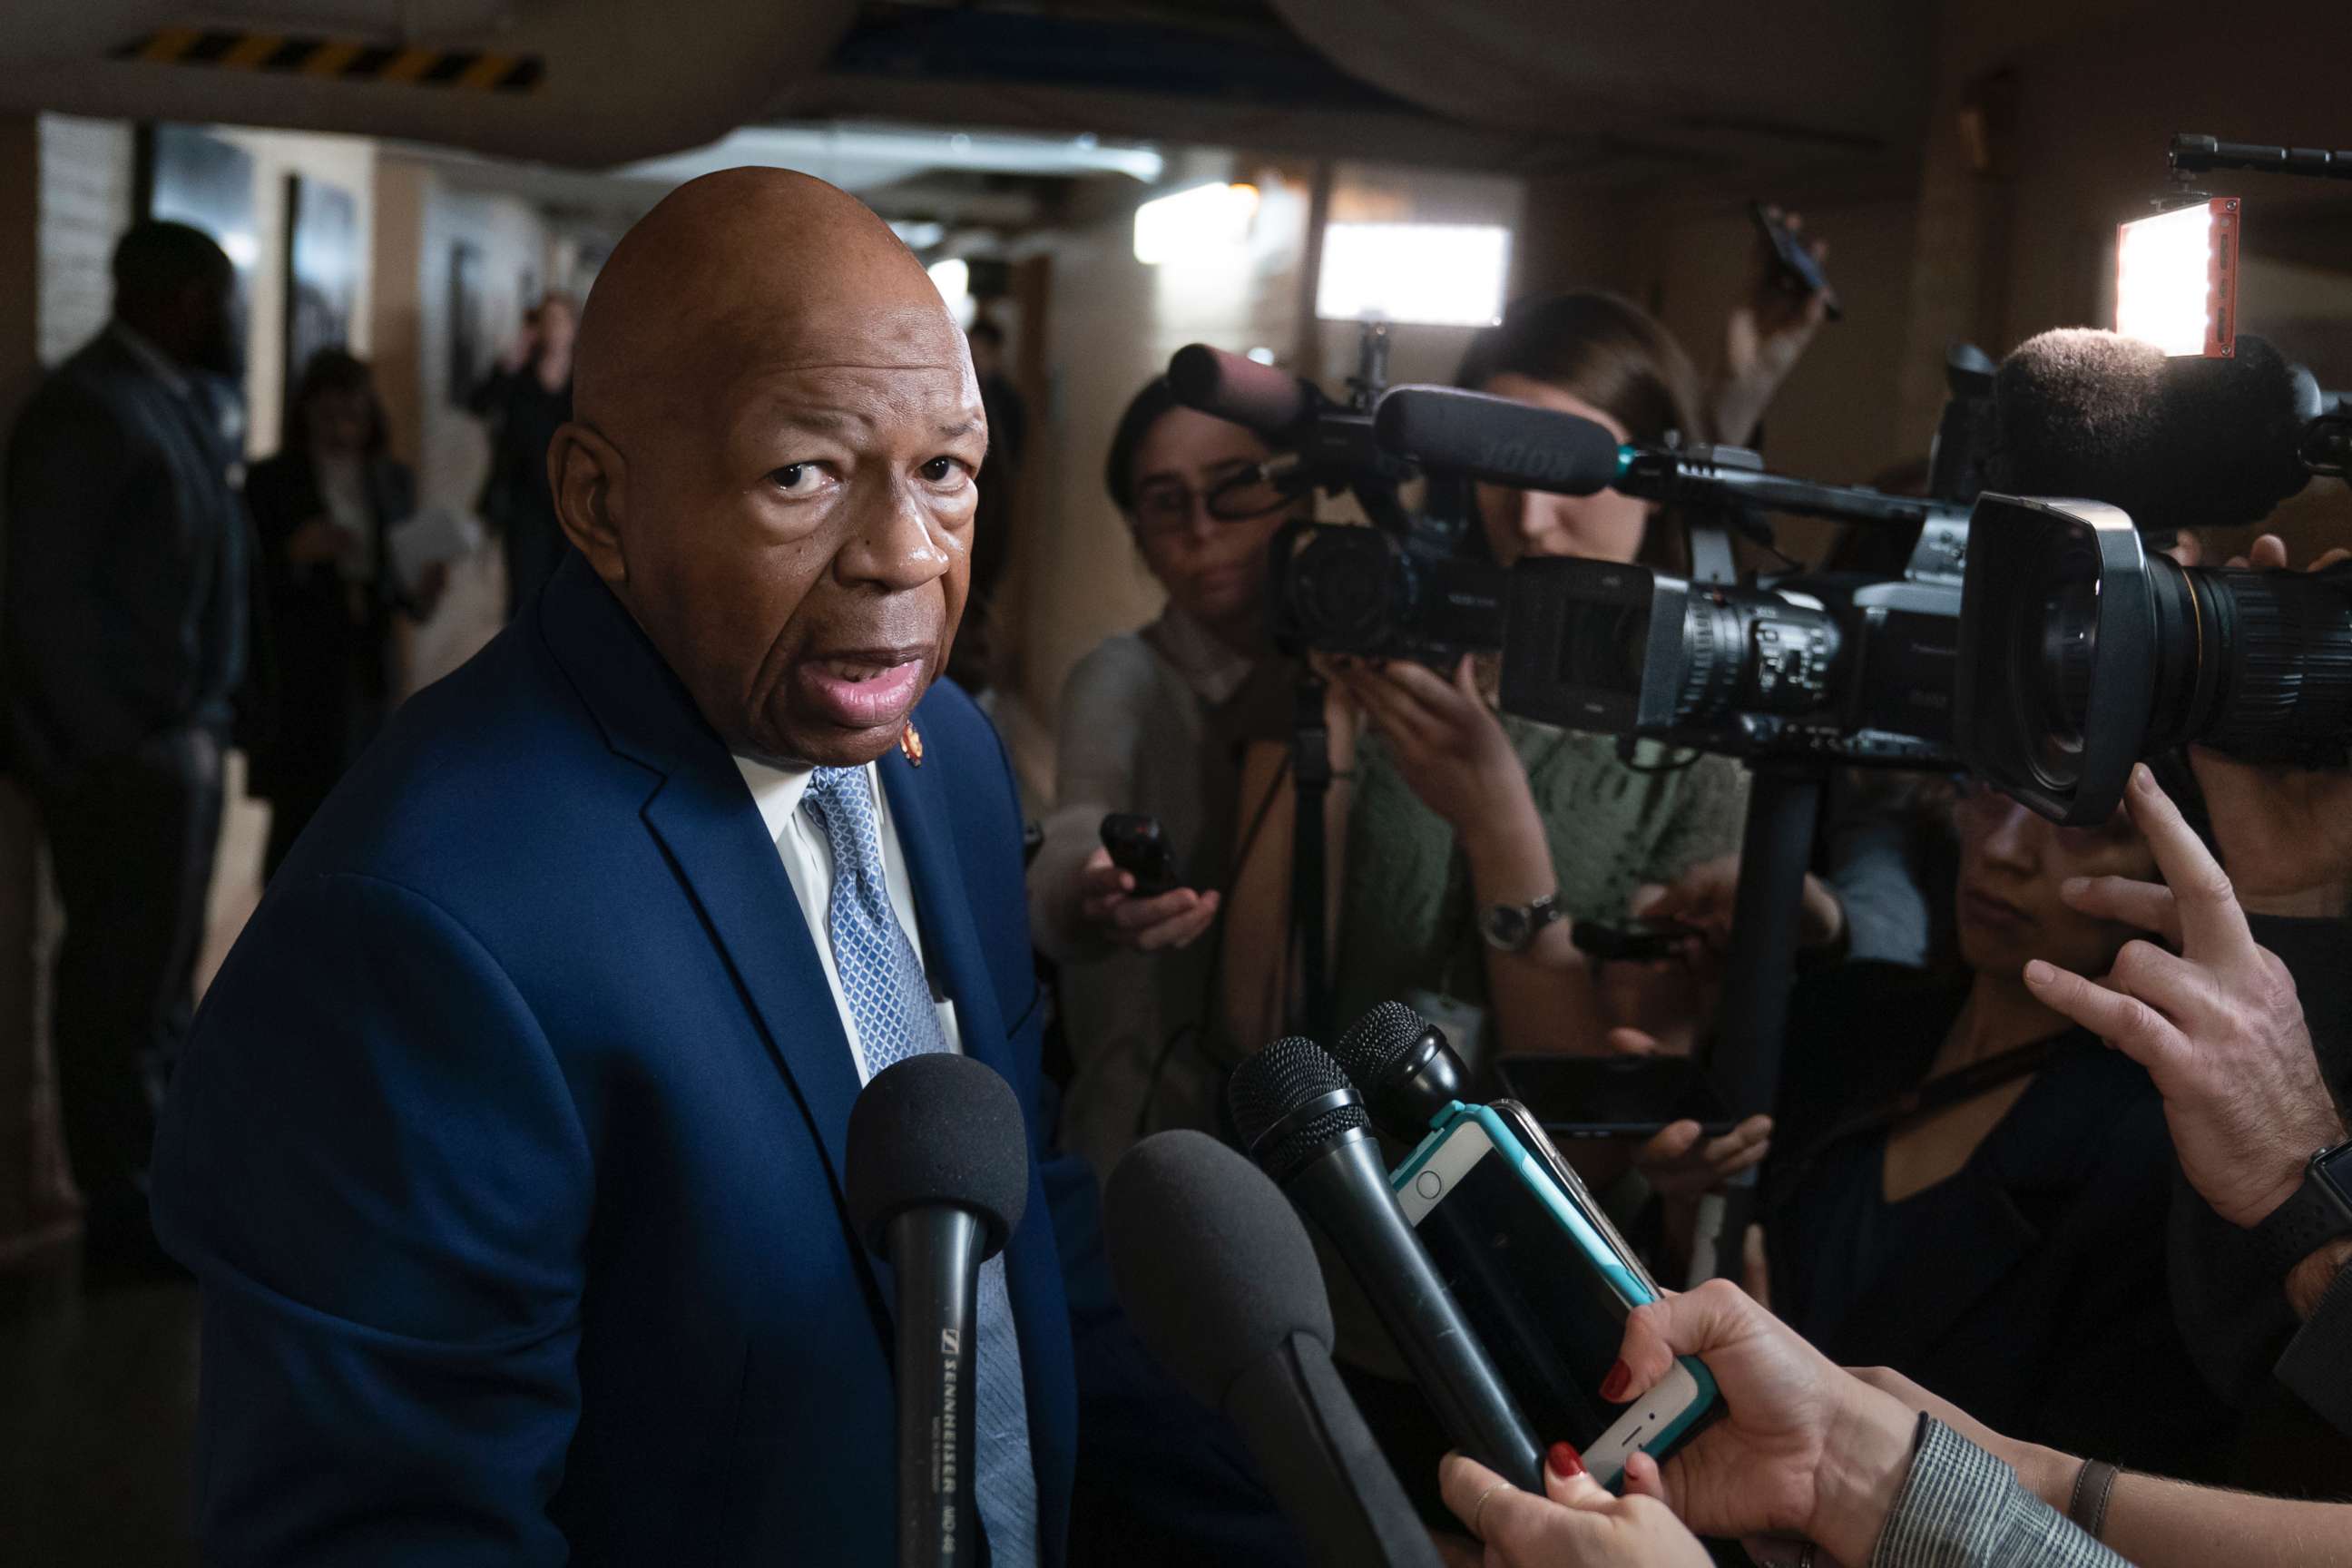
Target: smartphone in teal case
{"type": "Point", "coordinates": [1494, 1217]}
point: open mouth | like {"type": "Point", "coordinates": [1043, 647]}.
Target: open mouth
{"type": "Point", "coordinates": [863, 688]}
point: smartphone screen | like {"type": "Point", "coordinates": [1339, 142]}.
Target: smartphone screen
{"type": "Point", "coordinates": [1547, 1316]}
{"type": "Point", "coordinates": [1630, 1094]}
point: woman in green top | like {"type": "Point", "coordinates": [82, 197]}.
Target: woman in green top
{"type": "Point", "coordinates": [1458, 833]}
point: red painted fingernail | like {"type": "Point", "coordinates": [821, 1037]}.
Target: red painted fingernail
{"type": "Point", "coordinates": [1613, 1386]}
{"type": "Point", "coordinates": [1564, 1460]}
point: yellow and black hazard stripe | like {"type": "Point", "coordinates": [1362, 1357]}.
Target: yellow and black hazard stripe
{"type": "Point", "coordinates": [342, 59]}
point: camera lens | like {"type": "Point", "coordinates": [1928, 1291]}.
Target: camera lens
{"type": "Point", "coordinates": [1605, 648]}
{"type": "Point", "coordinates": [2056, 636]}
{"type": "Point", "coordinates": [2258, 664]}
{"type": "Point", "coordinates": [1345, 590]}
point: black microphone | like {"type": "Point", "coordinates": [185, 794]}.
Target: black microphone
{"type": "Point", "coordinates": [2175, 441]}
{"type": "Point", "coordinates": [1221, 1284]}
{"type": "Point", "coordinates": [937, 1176]}
{"type": "Point", "coordinates": [1231, 387]}
{"type": "Point", "coordinates": [1403, 1067]}
{"type": "Point", "coordinates": [1505, 442]}
{"type": "Point", "coordinates": [1306, 1126]}
{"type": "Point", "coordinates": [1497, 439]}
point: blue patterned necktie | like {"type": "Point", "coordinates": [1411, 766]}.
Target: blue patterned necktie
{"type": "Point", "coordinates": [890, 1001]}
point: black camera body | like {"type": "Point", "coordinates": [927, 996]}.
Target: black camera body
{"type": "Point", "coordinates": [1833, 668]}
{"type": "Point", "coordinates": [2080, 651]}
{"type": "Point", "coordinates": [1344, 588]}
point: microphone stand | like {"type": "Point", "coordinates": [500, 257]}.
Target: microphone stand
{"type": "Point", "coordinates": [1776, 847]}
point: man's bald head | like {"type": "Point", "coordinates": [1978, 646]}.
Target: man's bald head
{"type": "Point", "coordinates": [776, 427]}
{"type": "Point", "coordinates": [745, 260]}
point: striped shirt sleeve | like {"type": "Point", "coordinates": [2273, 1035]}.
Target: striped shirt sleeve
{"type": "Point", "coordinates": [1961, 1507]}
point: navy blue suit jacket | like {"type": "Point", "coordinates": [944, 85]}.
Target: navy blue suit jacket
{"type": "Point", "coordinates": [509, 1145]}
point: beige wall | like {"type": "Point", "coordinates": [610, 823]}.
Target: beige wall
{"type": "Point", "coordinates": [451, 453]}
{"type": "Point", "coordinates": [1111, 324]}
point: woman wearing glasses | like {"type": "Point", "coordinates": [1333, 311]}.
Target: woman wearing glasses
{"type": "Point", "coordinates": [1152, 721]}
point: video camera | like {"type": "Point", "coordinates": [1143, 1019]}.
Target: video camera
{"type": "Point", "coordinates": [2082, 648]}
{"type": "Point", "coordinates": [1833, 667]}
{"type": "Point", "coordinates": [1399, 589]}
{"type": "Point", "coordinates": [2081, 651]}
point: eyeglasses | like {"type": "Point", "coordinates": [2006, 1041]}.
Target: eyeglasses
{"type": "Point", "coordinates": [1165, 509]}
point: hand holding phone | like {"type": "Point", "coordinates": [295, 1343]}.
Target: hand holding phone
{"type": "Point", "coordinates": [1129, 892]}
{"type": "Point", "coordinates": [1792, 261]}
{"type": "Point", "coordinates": [1632, 944]}
{"type": "Point", "coordinates": [1139, 847]}
{"type": "Point", "coordinates": [1545, 1289]}
{"type": "Point", "coordinates": [1614, 1097]}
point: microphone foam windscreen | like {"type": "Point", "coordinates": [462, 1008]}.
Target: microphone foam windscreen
{"type": "Point", "coordinates": [1211, 1261]}
{"type": "Point", "coordinates": [936, 1130]}
{"type": "Point", "coordinates": [1374, 1042]}
{"type": "Point", "coordinates": [1277, 1080]}
{"type": "Point", "coordinates": [2176, 441]}
{"type": "Point", "coordinates": [2232, 428]}
{"type": "Point", "coordinates": [2080, 412]}
{"type": "Point", "coordinates": [1239, 389]}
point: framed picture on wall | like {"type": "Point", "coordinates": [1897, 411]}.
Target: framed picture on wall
{"type": "Point", "coordinates": [322, 267]}
{"type": "Point", "coordinates": [468, 352]}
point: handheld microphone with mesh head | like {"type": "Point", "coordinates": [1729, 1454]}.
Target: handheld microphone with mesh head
{"type": "Point", "coordinates": [937, 1174]}
{"type": "Point", "coordinates": [1305, 1125]}
{"type": "Point", "coordinates": [1219, 1280]}
{"type": "Point", "coordinates": [1404, 1067]}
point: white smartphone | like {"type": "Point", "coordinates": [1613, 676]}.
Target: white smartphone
{"type": "Point", "coordinates": [1545, 1293]}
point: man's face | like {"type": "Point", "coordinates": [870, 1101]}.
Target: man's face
{"type": "Point", "coordinates": [216, 324]}
{"type": "Point", "coordinates": [799, 544]}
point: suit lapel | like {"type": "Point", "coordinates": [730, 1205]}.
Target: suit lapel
{"type": "Point", "coordinates": [715, 837]}
{"type": "Point", "coordinates": [705, 820]}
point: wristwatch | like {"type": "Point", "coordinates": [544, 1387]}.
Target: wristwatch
{"type": "Point", "coordinates": [1509, 927]}
{"type": "Point", "coordinates": [2317, 1213]}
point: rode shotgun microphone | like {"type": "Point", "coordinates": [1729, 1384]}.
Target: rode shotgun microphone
{"type": "Point", "coordinates": [1403, 1067]}
{"type": "Point", "coordinates": [1303, 1122]}
{"type": "Point", "coordinates": [1505, 442]}
{"type": "Point", "coordinates": [1219, 1278]}
{"type": "Point", "coordinates": [937, 1175]}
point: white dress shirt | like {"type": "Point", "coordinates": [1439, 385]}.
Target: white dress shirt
{"type": "Point", "coordinates": [808, 861]}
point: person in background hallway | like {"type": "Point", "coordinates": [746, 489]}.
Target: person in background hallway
{"type": "Point", "coordinates": [126, 606]}
{"type": "Point", "coordinates": [1151, 721]}
{"type": "Point", "coordinates": [526, 400]}
{"type": "Point", "coordinates": [1000, 492]}
{"type": "Point", "coordinates": [1008, 413]}
{"type": "Point", "coordinates": [323, 510]}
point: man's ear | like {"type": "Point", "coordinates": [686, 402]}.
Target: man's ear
{"type": "Point", "coordinates": [590, 481]}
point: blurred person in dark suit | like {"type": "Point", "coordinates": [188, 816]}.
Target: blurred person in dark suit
{"type": "Point", "coordinates": [509, 1150]}
{"type": "Point", "coordinates": [324, 509]}
{"type": "Point", "coordinates": [526, 401]}
{"type": "Point", "coordinates": [126, 599]}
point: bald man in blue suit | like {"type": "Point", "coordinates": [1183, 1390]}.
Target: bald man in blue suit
{"type": "Point", "coordinates": [508, 1149]}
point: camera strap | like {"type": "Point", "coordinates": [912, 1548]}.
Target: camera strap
{"type": "Point", "coordinates": [1935, 1094]}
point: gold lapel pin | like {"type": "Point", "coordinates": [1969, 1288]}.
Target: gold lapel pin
{"type": "Point", "coordinates": [911, 744]}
